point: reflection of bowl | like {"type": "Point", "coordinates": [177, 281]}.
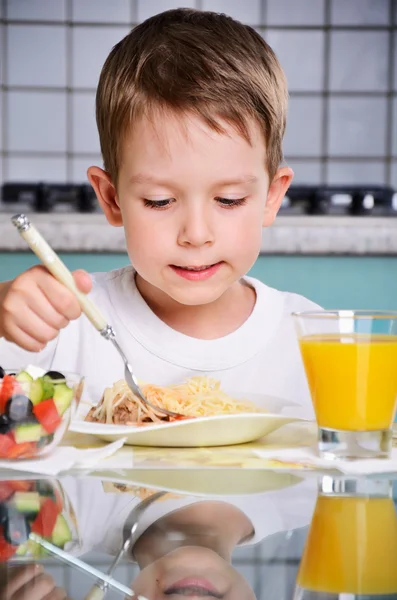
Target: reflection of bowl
{"type": "Point", "coordinates": [35, 410]}
{"type": "Point", "coordinates": [34, 506]}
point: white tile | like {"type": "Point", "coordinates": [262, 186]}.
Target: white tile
{"type": "Point", "coordinates": [395, 56]}
{"type": "Point", "coordinates": [357, 126]}
{"type": "Point", "coordinates": [306, 171]}
{"type": "Point", "coordinates": [36, 10]}
{"type": "Point", "coordinates": [394, 121]}
{"type": "Point", "coordinates": [350, 172]}
{"type": "Point", "coordinates": [301, 56]}
{"type": "Point", "coordinates": [148, 8]}
{"type": "Point", "coordinates": [303, 133]}
{"type": "Point", "coordinates": [350, 50]}
{"type": "Point", "coordinates": [36, 121]}
{"type": "Point", "coordinates": [359, 12]}
{"type": "Point", "coordinates": [1, 120]}
{"type": "Point", "coordinates": [101, 11]}
{"type": "Point", "coordinates": [394, 174]}
{"type": "Point", "coordinates": [2, 33]}
{"type": "Point", "coordinates": [248, 11]}
{"type": "Point", "coordinates": [44, 67]}
{"type": "Point", "coordinates": [90, 48]}
{"type": "Point", "coordinates": [84, 130]}
{"type": "Point", "coordinates": [34, 168]}
{"type": "Point", "coordinates": [298, 12]}
{"type": "Point", "coordinates": [80, 166]}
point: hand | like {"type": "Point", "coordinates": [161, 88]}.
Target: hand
{"type": "Point", "coordinates": [31, 583]}
{"type": "Point", "coordinates": [35, 306]}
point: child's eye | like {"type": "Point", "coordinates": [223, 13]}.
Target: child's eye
{"type": "Point", "coordinates": [231, 202]}
{"type": "Point", "coordinates": [159, 204]}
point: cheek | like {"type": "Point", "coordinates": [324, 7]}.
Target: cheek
{"type": "Point", "coordinates": [245, 233]}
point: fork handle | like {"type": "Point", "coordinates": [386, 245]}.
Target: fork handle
{"type": "Point", "coordinates": [58, 269]}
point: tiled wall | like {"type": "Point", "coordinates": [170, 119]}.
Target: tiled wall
{"type": "Point", "coordinates": [340, 57]}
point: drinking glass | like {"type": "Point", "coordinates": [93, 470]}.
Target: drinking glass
{"type": "Point", "coordinates": [350, 359]}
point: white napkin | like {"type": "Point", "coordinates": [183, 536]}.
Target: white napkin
{"type": "Point", "coordinates": [64, 458]}
{"type": "Point", "coordinates": [307, 456]}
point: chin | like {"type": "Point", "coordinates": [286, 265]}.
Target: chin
{"type": "Point", "coordinates": [195, 297]}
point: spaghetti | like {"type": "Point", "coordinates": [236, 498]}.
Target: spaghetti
{"type": "Point", "coordinates": [197, 397]}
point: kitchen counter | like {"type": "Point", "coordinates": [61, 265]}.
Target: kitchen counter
{"type": "Point", "coordinates": [290, 235]}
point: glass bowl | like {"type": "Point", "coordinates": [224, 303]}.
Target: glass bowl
{"type": "Point", "coordinates": [32, 510]}
{"type": "Point", "coordinates": [35, 411]}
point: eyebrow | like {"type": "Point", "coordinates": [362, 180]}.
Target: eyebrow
{"type": "Point", "coordinates": [147, 178]}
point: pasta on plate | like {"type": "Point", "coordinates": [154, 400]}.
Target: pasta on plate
{"type": "Point", "coordinates": [196, 397]}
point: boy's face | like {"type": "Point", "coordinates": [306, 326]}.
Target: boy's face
{"type": "Point", "coordinates": [193, 203]}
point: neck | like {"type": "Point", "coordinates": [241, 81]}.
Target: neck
{"type": "Point", "coordinates": [217, 526]}
{"type": "Point", "coordinates": [207, 321]}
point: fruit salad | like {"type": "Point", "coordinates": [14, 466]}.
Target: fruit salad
{"type": "Point", "coordinates": [31, 507]}
{"type": "Point", "coordinates": [34, 410]}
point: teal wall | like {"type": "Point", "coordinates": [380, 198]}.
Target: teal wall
{"type": "Point", "coordinates": [332, 281]}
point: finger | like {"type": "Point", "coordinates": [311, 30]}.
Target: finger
{"type": "Point", "coordinates": [83, 280]}
{"type": "Point", "coordinates": [25, 341]}
{"type": "Point", "coordinates": [33, 326]}
{"type": "Point", "coordinates": [62, 300]}
{"type": "Point", "coordinates": [39, 587]}
{"type": "Point", "coordinates": [42, 307]}
{"type": "Point", "coordinates": [20, 577]}
{"type": "Point", "coordinates": [56, 594]}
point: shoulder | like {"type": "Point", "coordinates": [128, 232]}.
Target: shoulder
{"type": "Point", "coordinates": [288, 301]}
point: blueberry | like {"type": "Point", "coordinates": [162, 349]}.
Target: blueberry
{"type": "Point", "coordinates": [54, 375]}
{"type": "Point", "coordinates": [2, 372]}
{"type": "Point", "coordinates": [4, 424]}
{"type": "Point", "coordinates": [19, 408]}
{"type": "Point", "coordinates": [16, 529]}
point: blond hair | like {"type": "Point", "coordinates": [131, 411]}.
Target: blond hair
{"type": "Point", "coordinates": [192, 62]}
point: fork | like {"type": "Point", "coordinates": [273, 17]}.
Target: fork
{"type": "Point", "coordinates": [99, 590]}
{"type": "Point", "coordinates": [60, 271]}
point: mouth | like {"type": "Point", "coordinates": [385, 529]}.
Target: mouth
{"type": "Point", "coordinates": [192, 587]}
{"type": "Point", "coordinates": [196, 273]}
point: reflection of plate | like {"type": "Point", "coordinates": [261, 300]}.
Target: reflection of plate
{"type": "Point", "coordinates": [233, 482]}
{"type": "Point", "coordinates": [220, 430]}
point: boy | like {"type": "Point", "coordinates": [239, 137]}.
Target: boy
{"type": "Point", "coordinates": [191, 109]}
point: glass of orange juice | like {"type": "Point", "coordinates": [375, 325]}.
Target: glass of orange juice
{"type": "Point", "coordinates": [351, 548]}
{"type": "Point", "coordinates": [350, 359]}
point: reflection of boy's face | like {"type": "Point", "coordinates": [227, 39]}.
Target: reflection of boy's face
{"type": "Point", "coordinates": [190, 198]}
{"type": "Point", "coordinates": [192, 572]}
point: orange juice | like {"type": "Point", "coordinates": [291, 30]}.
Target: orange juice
{"type": "Point", "coordinates": [351, 547]}
{"type": "Point", "coordinates": [352, 379]}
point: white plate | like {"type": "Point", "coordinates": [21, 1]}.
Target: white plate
{"type": "Point", "coordinates": [220, 430]}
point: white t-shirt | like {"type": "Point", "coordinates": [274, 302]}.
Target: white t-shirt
{"type": "Point", "coordinates": [260, 358]}
{"type": "Point", "coordinates": [101, 515]}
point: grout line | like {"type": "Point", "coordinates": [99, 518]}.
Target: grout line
{"type": "Point", "coordinates": [263, 13]}
{"type": "Point", "coordinates": [325, 107]}
{"type": "Point", "coordinates": [292, 93]}
{"type": "Point", "coordinates": [5, 96]}
{"type": "Point", "coordinates": [133, 12]}
{"type": "Point", "coordinates": [95, 155]}
{"type": "Point", "coordinates": [69, 98]}
{"type": "Point", "coordinates": [390, 116]}
{"type": "Point", "coordinates": [286, 27]}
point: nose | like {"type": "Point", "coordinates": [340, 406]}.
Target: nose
{"type": "Point", "coordinates": [196, 228]}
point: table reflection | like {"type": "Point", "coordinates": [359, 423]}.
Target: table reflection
{"type": "Point", "coordinates": [241, 544]}
{"type": "Point", "coordinates": [351, 547]}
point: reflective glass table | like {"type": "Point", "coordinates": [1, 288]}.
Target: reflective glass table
{"type": "Point", "coordinates": [198, 531]}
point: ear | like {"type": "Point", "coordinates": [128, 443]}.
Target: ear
{"type": "Point", "coordinates": [106, 193]}
{"type": "Point", "coordinates": [277, 190]}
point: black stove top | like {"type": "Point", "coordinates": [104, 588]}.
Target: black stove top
{"type": "Point", "coordinates": [357, 200]}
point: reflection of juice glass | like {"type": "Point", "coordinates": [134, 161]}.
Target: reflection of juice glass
{"type": "Point", "coordinates": [350, 358]}
{"type": "Point", "coordinates": [351, 548]}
